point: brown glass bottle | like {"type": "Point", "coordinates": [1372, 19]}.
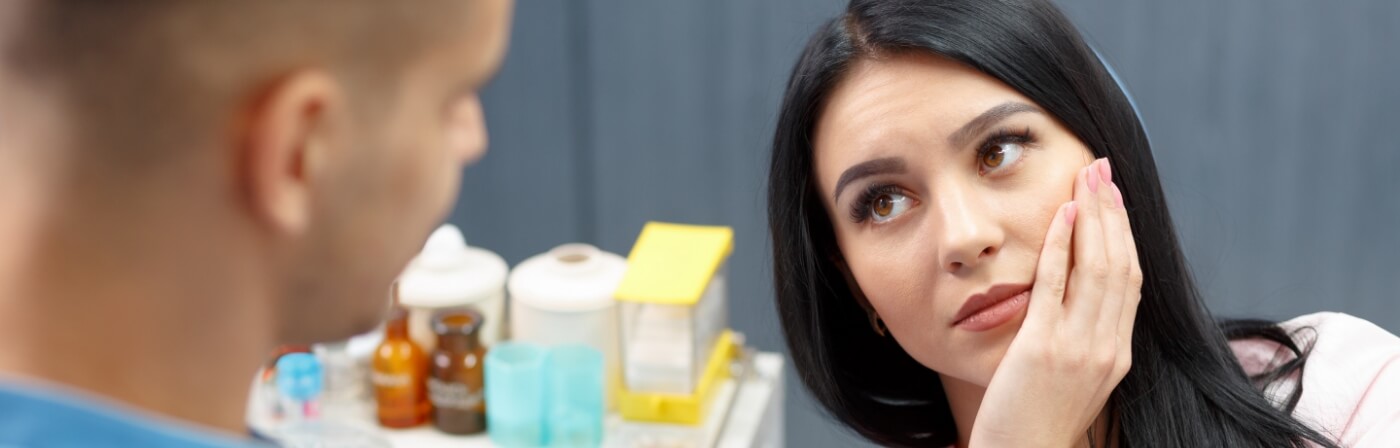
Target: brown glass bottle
{"type": "Point", "coordinates": [400, 375]}
{"type": "Point", "coordinates": [456, 381]}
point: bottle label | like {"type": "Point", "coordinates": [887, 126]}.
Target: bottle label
{"type": "Point", "coordinates": [454, 395]}
{"type": "Point", "coordinates": [395, 380]}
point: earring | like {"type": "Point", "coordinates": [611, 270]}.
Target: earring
{"type": "Point", "coordinates": [878, 324]}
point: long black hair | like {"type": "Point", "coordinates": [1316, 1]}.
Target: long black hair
{"type": "Point", "coordinates": [1185, 387]}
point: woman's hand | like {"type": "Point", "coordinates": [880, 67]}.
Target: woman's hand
{"type": "Point", "coordinates": [1075, 344]}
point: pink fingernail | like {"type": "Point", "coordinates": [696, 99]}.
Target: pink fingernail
{"type": "Point", "coordinates": [1093, 179]}
{"type": "Point", "coordinates": [1070, 211]}
{"type": "Point", "coordinates": [1118, 195]}
{"type": "Point", "coordinates": [1105, 171]}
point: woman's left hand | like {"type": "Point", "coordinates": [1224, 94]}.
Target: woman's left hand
{"type": "Point", "coordinates": [1075, 344]}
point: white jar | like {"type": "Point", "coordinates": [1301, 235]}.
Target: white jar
{"type": "Point", "coordinates": [449, 274]}
{"type": "Point", "coordinates": [565, 296]}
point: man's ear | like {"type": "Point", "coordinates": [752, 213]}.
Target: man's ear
{"type": "Point", "coordinates": [285, 142]}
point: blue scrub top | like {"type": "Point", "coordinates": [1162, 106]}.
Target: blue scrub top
{"type": "Point", "coordinates": [34, 417]}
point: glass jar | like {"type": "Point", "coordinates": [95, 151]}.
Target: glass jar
{"type": "Point", "coordinates": [457, 378]}
{"type": "Point", "coordinates": [399, 375]}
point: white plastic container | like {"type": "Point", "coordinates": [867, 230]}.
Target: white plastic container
{"type": "Point", "coordinates": [449, 274]}
{"type": "Point", "coordinates": [566, 296]}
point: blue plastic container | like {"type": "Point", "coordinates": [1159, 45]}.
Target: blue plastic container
{"type": "Point", "coordinates": [515, 394]}
{"type": "Point", "coordinates": [576, 403]}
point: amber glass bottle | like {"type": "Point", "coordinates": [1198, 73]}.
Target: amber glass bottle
{"type": "Point", "coordinates": [399, 375]}
{"type": "Point", "coordinates": [456, 382]}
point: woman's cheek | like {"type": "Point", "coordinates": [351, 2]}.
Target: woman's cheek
{"type": "Point", "coordinates": [901, 291]}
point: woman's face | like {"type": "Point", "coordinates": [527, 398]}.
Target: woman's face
{"type": "Point", "coordinates": [940, 183]}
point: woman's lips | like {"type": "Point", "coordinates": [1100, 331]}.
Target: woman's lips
{"type": "Point", "coordinates": [995, 307]}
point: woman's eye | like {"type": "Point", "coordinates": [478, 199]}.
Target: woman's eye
{"type": "Point", "coordinates": [1001, 155]}
{"type": "Point", "coordinates": [887, 206]}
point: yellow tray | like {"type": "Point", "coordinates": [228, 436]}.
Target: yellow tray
{"type": "Point", "coordinates": [676, 408]}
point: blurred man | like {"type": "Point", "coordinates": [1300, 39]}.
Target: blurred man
{"type": "Point", "coordinates": [186, 184]}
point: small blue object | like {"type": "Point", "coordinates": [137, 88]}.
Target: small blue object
{"type": "Point", "coordinates": [299, 376]}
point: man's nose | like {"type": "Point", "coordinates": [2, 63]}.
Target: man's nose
{"type": "Point", "coordinates": [466, 133]}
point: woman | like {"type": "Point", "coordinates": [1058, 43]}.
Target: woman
{"type": "Point", "coordinates": [972, 247]}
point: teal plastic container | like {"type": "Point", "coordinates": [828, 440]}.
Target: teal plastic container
{"type": "Point", "coordinates": [515, 394]}
{"type": "Point", "coordinates": [576, 402]}
{"type": "Point", "coordinates": [545, 397]}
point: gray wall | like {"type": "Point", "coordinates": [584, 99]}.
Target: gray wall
{"type": "Point", "coordinates": [1271, 122]}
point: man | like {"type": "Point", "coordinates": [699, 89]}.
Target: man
{"type": "Point", "coordinates": [186, 184]}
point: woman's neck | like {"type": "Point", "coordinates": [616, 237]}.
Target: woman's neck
{"type": "Point", "coordinates": [965, 398]}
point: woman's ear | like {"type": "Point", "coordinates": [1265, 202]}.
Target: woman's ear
{"type": "Point", "coordinates": [875, 322]}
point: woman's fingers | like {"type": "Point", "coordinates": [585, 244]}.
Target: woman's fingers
{"type": "Point", "coordinates": [1115, 223]}
{"type": "Point", "coordinates": [1090, 268]}
{"type": "Point", "coordinates": [1134, 290]}
{"type": "Point", "coordinates": [1052, 270]}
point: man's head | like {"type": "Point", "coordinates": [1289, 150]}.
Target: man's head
{"type": "Point", "coordinates": [304, 145]}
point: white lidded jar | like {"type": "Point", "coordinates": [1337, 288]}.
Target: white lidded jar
{"type": "Point", "coordinates": [565, 296]}
{"type": "Point", "coordinates": [450, 274]}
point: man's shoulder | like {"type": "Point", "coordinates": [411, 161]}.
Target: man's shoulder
{"type": "Point", "coordinates": [33, 415]}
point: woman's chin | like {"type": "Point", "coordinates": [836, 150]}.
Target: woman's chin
{"type": "Point", "coordinates": [977, 354]}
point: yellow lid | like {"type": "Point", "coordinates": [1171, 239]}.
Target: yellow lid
{"type": "Point", "coordinates": [673, 263]}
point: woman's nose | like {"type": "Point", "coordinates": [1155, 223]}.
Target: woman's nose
{"type": "Point", "coordinates": [967, 234]}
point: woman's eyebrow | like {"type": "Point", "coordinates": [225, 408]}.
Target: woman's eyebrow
{"type": "Point", "coordinates": [980, 124]}
{"type": "Point", "coordinates": [868, 168]}
{"type": "Point", "coordinates": [957, 139]}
